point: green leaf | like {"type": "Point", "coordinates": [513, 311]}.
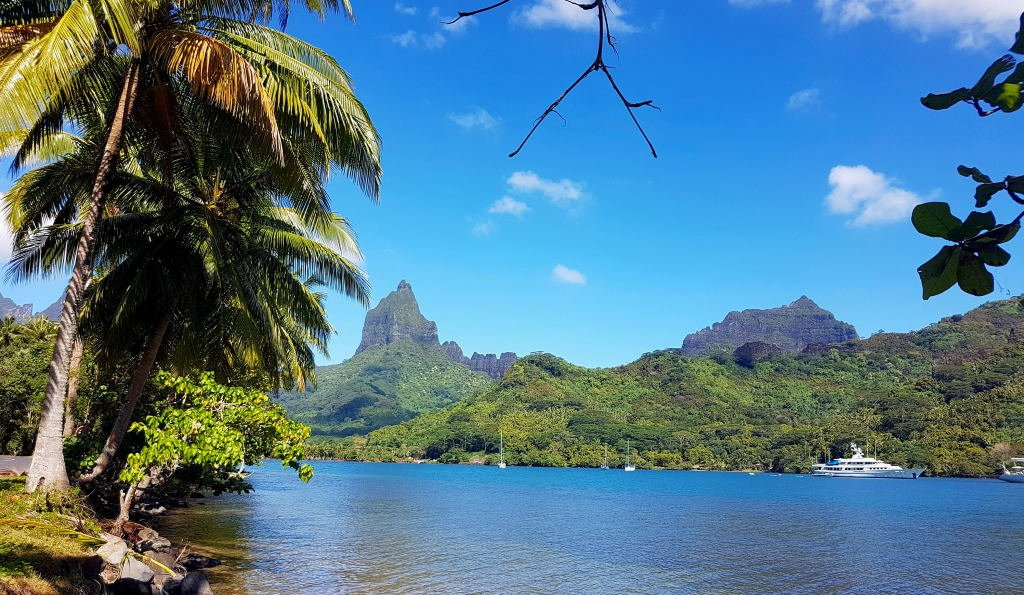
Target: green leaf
{"type": "Point", "coordinates": [1017, 76]}
{"type": "Point", "coordinates": [973, 173]}
{"type": "Point", "coordinates": [988, 80]}
{"type": "Point", "coordinates": [999, 234]}
{"type": "Point", "coordinates": [1018, 44]}
{"type": "Point", "coordinates": [994, 255]}
{"type": "Point", "coordinates": [939, 273]}
{"type": "Point", "coordinates": [934, 219]}
{"type": "Point", "coordinates": [1007, 97]}
{"type": "Point", "coordinates": [972, 276]}
{"type": "Point", "coordinates": [1015, 183]}
{"type": "Point", "coordinates": [985, 192]}
{"type": "Point", "coordinates": [975, 223]}
{"type": "Point", "coordinates": [943, 101]}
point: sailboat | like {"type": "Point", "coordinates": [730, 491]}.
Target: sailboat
{"type": "Point", "coordinates": [628, 467]}
{"type": "Point", "coordinates": [501, 451]}
{"type": "Point", "coordinates": [605, 465]}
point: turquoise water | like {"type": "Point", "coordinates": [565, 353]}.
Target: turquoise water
{"type": "Point", "coordinates": [363, 527]}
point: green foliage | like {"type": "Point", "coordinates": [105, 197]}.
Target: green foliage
{"type": "Point", "coordinates": [23, 364]}
{"type": "Point", "coordinates": [212, 431]}
{"type": "Point", "coordinates": [942, 398]}
{"type": "Point", "coordinates": [975, 239]}
{"type": "Point", "coordinates": [383, 385]}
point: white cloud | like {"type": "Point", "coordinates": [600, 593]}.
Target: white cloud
{"type": "Point", "coordinates": [805, 100]}
{"type": "Point", "coordinates": [509, 206]}
{"type": "Point", "coordinates": [564, 192]}
{"type": "Point", "coordinates": [410, 38]}
{"type": "Point", "coordinates": [559, 13]}
{"type": "Point", "coordinates": [564, 274]}
{"type": "Point", "coordinates": [476, 119]}
{"type": "Point", "coordinates": [753, 3]}
{"type": "Point", "coordinates": [975, 22]}
{"type": "Point", "coordinates": [870, 197]}
{"type": "Point", "coordinates": [406, 10]}
{"type": "Point", "coordinates": [484, 228]}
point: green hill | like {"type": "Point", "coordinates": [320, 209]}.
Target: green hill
{"type": "Point", "coordinates": [949, 397]}
{"type": "Point", "coordinates": [383, 385]}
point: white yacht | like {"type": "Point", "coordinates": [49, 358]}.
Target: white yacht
{"type": "Point", "coordinates": [1014, 474]}
{"type": "Point", "coordinates": [862, 466]}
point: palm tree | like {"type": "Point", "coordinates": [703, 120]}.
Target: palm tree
{"type": "Point", "coordinates": [56, 55]}
{"type": "Point", "coordinates": [215, 246]}
{"type": "Point", "coordinates": [10, 331]}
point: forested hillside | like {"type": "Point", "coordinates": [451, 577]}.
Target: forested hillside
{"type": "Point", "coordinates": [949, 397]}
{"type": "Point", "coordinates": [385, 384]}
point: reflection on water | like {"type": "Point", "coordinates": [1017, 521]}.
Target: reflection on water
{"type": "Point", "coordinates": [427, 528]}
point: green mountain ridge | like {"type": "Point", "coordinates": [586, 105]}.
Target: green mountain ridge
{"type": "Point", "coordinates": [382, 385]}
{"type": "Point", "coordinates": [949, 397]}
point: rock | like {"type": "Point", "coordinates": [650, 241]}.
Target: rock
{"type": "Point", "coordinates": [171, 586]}
{"type": "Point", "coordinates": [791, 328]}
{"type": "Point", "coordinates": [137, 570]}
{"type": "Point", "coordinates": [397, 318]}
{"type": "Point", "coordinates": [157, 544]}
{"type": "Point", "coordinates": [146, 534]}
{"type": "Point", "coordinates": [168, 559]}
{"type": "Point", "coordinates": [114, 550]}
{"type": "Point", "coordinates": [9, 308]}
{"type": "Point", "coordinates": [196, 583]}
{"type": "Point", "coordinates": [198, 561]}
{"type": "Point", "coordinates": [490, 364]}
{"type": "Point", "coordinates": [127, 586]}
{"type": "Point", "coordinates": [749, 354]}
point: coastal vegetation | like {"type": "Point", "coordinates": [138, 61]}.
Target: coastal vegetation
{"type": "Point", "coordinates": [949, 398]}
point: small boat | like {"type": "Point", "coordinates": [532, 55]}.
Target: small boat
{"type": "Point", "coordinates": [628, 466]}
{"type": "Point", "coordinates": [605, 465]}
{"type": "Point", "coordinates": [1014, 474]}
{"type": "Point", "coordinates": [501, 451]}
{"type": "Point", "coordinates": [860, 466]}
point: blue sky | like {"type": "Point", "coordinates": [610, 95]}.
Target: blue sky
{"type": "Point", "coordinates": [791, 149]}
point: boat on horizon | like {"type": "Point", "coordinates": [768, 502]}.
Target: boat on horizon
{"type": "Point", "coordinates": [501, 450]}
{"type": "Point", "coordinates": [605, 464]}
{"type": "Point", "coordinates": [860, 466]}
{"type": "Point", "coordinates": [628, 466]}
{"type": "Point", "coordinates": [1014, 474]}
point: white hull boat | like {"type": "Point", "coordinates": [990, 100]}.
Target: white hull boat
{"type": "Point", "coordinates": [862, 467]}
{"type": "Point", "coordinates": [1015, 474]}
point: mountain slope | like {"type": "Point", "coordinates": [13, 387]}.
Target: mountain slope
{"type": "Point", "coordinates": [382, 385]}
{"type": "Point", "coordinates": [949, 397]}
{"type": "Point", "coordinates": [399, 371]}
{"type": "Point", "coordinates": [791, 328]}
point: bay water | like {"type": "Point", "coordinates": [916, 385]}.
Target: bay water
{"type": "Point", "coordinates": [400, 528]}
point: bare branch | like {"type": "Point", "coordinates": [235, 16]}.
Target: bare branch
{"type": "Point", "coordinates": [470, 13]}
{"type": "Point", "coordinates": [604, 38]}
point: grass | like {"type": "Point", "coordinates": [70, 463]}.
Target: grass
{"type": "Point", "coordinates": [37, 560]}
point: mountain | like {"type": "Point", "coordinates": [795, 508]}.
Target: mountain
{"type": "Point", "coordinates": [397, 318]}
{"type": "Point", "coordinates": [399, 370]}
{"type": "Point", "coordinates": [9, 308]}
{"type": "Point", "coordinates": [382, 385]}
{"type": "Point", "coordinates": [949, 397]}
{"type": "Point", "coordinates": [790, 328]}
{"type": "Point", "coordinates": [493, 365]}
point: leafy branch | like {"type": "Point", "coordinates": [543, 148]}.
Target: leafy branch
{"type": "Point", "coordinates": [605, 40]}
{"type": "Point", "coordinates": [976, 239]}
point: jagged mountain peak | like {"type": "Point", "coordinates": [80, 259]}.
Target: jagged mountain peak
{"type": "Point", "coordinates": [398, 318]}
{"type": "Point", "coordinates": [790, 328]}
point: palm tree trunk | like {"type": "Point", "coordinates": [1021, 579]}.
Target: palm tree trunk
{"type": "Point", "coordinates": [124, 415]}
{"type": "Point", "coordinates": [47, 470]}
{"type": "Point", "coordinates": [74, 373]}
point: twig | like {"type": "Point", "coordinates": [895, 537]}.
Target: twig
{"type": "Point", "coordinates": [983, 112]}
{"type": "Point", "coordinates": [604, 38]}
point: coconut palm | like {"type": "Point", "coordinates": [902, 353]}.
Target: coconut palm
{"type": "Point", "coordinates": [281, 88]}
{"type": "Point", "coordinates": [216, 246]}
